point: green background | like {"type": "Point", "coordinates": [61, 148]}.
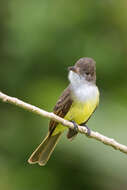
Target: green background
{"type": "Point", "coordinates": [38, 41]}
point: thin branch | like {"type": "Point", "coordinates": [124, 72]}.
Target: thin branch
{"type": "Point", "coordinates": [81, 129]}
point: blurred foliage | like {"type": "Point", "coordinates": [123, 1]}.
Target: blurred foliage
{"type": "Point", "coordinates": [38, 41]}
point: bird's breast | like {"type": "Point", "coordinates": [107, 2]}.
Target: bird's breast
{"type": "Point", "coordinates": [85, 100]}
{"type": "Point", "coordinates": [85, 93]}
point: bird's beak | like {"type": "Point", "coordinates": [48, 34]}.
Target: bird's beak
{"type": "Point", "coordinates": [72, 68]}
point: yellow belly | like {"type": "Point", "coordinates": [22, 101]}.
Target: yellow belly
{"type": "Point", "coordinates": [79, 112]}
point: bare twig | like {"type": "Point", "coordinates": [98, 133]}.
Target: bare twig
{"type": "Point", "coordinates": [81, 129]}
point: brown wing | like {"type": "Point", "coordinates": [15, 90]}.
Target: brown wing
{"type": "Point", "coordinates": [62, 106]}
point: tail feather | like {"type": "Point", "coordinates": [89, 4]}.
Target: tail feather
{"type": "Point", "coordinates": [43, 152]}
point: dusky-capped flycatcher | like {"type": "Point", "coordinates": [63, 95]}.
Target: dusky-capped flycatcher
{"type": "Point", "coordinates": [77, 103]}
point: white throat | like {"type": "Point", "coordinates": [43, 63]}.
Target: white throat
{"type": "Point", "coordinates": [82, 90]}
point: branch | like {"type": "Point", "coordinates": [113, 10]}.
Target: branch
{"type": "Point", "coordinates": [81, 129]}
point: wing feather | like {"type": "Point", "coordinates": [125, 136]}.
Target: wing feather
{"type": "Point", "coordinates": [61, 108]}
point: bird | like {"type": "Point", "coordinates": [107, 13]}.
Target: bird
{"type": "Point", "coordinates": [77, 103]}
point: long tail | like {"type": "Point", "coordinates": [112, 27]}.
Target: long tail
{"type": "Point", "coordinates": [43, 152]}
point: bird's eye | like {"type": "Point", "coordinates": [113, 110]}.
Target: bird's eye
{"type": "Point", "coordinates": [87, 73]}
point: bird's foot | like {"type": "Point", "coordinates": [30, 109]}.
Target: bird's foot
{"type": "Point", "coordinates": [88, 130]}
{"type": "Point", "coordinates": [75, 126]}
